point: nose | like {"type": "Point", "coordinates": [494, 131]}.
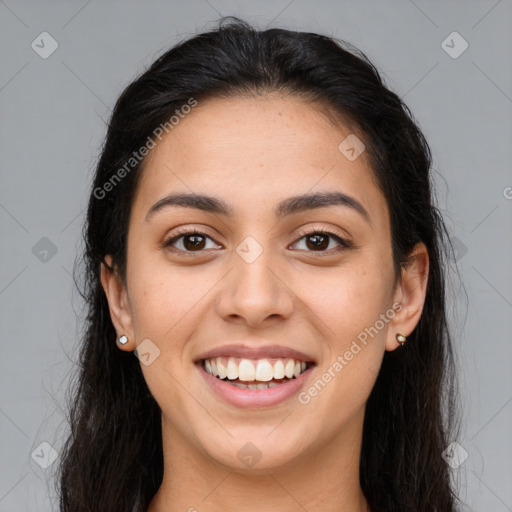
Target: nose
{"type": "Point", "coordinates": [254, 293]}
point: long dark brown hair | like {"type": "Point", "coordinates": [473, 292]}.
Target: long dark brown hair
{"type": "Point", "coordinates": [112, 460]}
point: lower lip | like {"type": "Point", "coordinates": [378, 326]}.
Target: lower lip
{"type": "Point", "coordinates": [254, 398]}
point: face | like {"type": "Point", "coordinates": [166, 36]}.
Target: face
{"type": "Point", "coordinates": [256, 284]}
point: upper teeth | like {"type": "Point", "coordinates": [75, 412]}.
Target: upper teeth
{"type": "Point", "coordinates": [248, 370]}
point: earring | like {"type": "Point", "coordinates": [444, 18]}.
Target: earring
{"type": "Point", "coordinates": [122, 340]}
{"type": "Point", "coordinates": [401, 338]}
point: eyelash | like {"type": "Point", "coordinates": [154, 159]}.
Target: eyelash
{"type": "Point", "coordinates": [344, 243]}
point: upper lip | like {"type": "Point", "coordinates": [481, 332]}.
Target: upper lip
{"type": "Point", "coordinates": [260, 352]}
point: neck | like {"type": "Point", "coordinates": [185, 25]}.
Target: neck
{"type": "Point", "coordinates": [322, 478]}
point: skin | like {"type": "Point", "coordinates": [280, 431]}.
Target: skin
{"type": "Point", "coordinates": [253, 153]}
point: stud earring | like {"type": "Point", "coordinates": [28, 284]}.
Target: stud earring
{"type": "Point", "coordinates": [123, 340]}
{"type": "Point", "coordinates": [401, 338]}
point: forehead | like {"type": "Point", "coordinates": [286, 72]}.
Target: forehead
{"type": "Point", "coordinates": [254, 152]}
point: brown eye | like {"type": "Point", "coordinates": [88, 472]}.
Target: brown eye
{"type": "Point", "coordinates": [196, 241]}
{"type": "Point", "coordinates": [193, 242]}
{"type": "Point", "coordinates": [319, 241]}
{"type": "Point", "coordinates": [190, 241]}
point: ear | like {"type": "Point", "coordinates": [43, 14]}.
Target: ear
{"type": "Point", "coordinates": [118, 304]}
{"type": "Point", "coordinates": [411, 293]}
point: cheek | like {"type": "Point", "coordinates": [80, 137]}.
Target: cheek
{"type": "Point", "coordinates": [350, 308]}
{"type": "Point", "coordinates": [163, 297]}
{"type": "Point", "coordinates": [152, 294]}
{"type": "Point", "coordinates": [347, 301]}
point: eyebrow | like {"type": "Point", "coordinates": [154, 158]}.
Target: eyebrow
{"type": "Point", "coordinates": [286, 207]}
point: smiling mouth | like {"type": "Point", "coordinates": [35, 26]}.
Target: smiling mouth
{"type": "Point", "coordinates": [255, 374]}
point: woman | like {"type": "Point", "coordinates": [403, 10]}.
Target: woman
{"type": "Point", "coordinates": [261, 235]}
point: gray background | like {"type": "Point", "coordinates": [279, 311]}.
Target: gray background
{"type": "Point", "coordinates": [53, 114]}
